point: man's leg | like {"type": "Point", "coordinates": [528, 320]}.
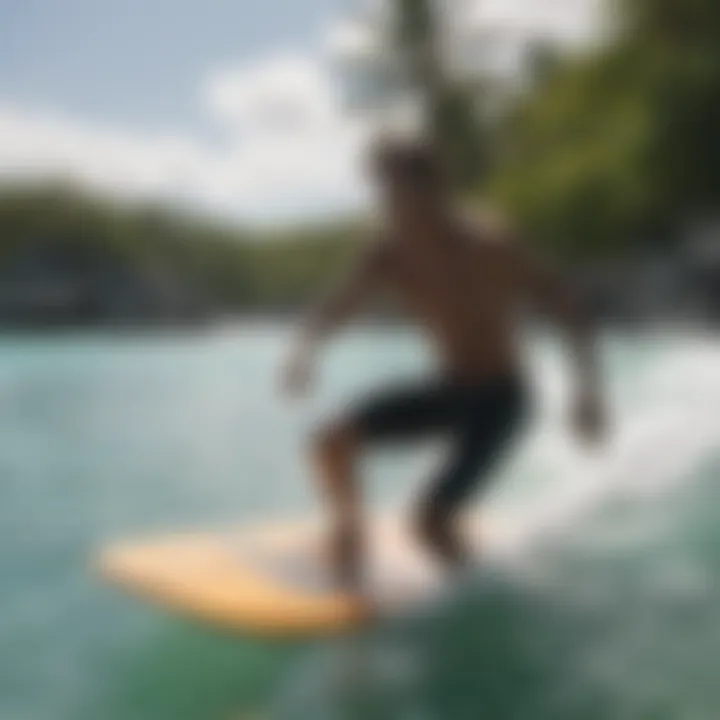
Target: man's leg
{"type": "Point", "coordinates": [335, 452]}
{"type": "Point", "coordinates": [395, 414]}
{"type": "Point", "coordinates": [478, 444]}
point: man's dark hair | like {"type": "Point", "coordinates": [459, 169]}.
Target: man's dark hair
{"type": "Point", "coordinates": [407, 161]}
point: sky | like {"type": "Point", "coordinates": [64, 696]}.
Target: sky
{"type": "Point", "coordinates": [231, 106]}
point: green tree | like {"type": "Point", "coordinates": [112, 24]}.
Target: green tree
{"type": "Point", "coordinates": [620, 146]}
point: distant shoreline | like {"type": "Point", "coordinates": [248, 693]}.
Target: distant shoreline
{"type": "Point", "coordinates": [215, 323]}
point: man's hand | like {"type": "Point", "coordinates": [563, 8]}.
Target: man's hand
{"type": "Point", "coordinates": [588, 418]}
{"type": "Point", "coordinates": [297, 375]}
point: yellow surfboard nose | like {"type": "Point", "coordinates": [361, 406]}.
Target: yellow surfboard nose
{"type": "Point", "coordinates": [204, 577]}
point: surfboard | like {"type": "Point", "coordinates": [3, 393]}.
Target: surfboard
{"type": "Point", "coordinates": [272, 580]}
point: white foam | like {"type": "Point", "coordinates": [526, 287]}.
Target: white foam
{"type": "Point", "coordinates": [665, 423]}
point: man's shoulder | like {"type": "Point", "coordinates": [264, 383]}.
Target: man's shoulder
{"type": "Point", "coordinates": [488, 224]}
{"type": "Point", "coordinates": [489, 232]}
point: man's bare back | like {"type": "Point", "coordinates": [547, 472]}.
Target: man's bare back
{"type": "Point", "coordinates": [463, 285]}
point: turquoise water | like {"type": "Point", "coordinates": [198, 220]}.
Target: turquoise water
{"type": "Point", "coordinates": [606, 605]}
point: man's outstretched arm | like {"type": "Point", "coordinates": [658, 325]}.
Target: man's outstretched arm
{"type": "Point", "coordinates": [554, 297]}
{"type": "Point", "coordinates": [331, 312]}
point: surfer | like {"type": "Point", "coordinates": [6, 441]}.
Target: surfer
{"type": "Point", "coordinates": [463, 284]}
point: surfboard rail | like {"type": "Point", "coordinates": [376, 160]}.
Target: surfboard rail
{"type": "Point", "coordinates": [269, 580]}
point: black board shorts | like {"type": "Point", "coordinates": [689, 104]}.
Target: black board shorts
{"type": "Point", "coordinates": [479, 419]}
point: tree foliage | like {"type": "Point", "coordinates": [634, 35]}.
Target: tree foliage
{"type": "Point", "coordinates": [231, 269]}
{"type": "Point", "coordinates": [620, 146]}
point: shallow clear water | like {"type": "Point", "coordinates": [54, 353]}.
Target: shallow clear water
{"type": "Point", "coordinates": [606, 603]}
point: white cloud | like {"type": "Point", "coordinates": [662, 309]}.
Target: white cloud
{"type": "Point", "coordinates": [350, 39]}
{"type": "Point", "coordinates": [36, 144]}
{"type": "Point", "coordinates": [288, 93]}
{"type": "Point", "coordinates": [287, 149]}
{"type": "Point", "coordinates": [286, 130]}
{"type": "Point", "coordinates": [566, 21]}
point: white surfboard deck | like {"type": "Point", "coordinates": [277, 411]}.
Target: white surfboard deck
{"type": "Point", "coordinates": [273, 579]}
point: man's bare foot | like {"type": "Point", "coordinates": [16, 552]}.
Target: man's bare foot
{"type": "Point", "coordinates": [437, 532]}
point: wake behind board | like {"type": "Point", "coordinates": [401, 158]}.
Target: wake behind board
{"type": "Point", "coordinates": [273, 580]}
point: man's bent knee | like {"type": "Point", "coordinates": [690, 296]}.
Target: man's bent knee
{"type": "Point", "coordinates": [334, 450]}
{"type": "Point", "coordinates": [334, 443]}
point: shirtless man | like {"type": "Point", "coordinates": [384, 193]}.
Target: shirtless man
{"type": "Point", "coordinates": [463, 286]}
